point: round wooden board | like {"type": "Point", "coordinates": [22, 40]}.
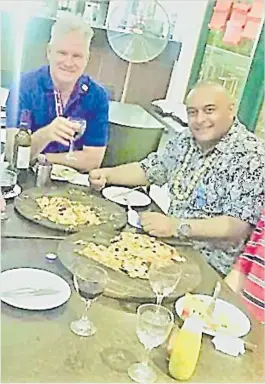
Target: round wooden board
{"type": "Point", "coordinates": [120, 285]}
{"type": "Point", "coordinates": [110, 213]}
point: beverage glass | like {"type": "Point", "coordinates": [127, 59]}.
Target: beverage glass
{"type": "Point", "coordinates": [82, 127]}
{"type": "Point", "coordinates": [90, 282]}
{"type": "Point", "coordinates": [8, 182]}
{"type": "Point", "coordinates": [153, 327]}
{"type": "Point", "coordinates": [163, 279]}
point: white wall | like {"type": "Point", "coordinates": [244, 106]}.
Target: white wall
{"type": "Point", "coordinates": [190, 16]}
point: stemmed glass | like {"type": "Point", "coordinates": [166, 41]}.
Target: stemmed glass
{"type": "Point", "coordinates": [154, 324]}
{"type": "Point", "coordinates": [163, 279]}
{"type": "Point", "coordinates": [82, 127]}
{"type": "Point", "coordinates": [90, 282]}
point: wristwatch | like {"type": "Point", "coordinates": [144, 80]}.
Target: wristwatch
{"type": "Point", "coordinates": [183, 229]}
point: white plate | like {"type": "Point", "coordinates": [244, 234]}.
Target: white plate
{"type": "Point", "coordinates": [73, 176]}
{"type": "Point", "coordinates": [234, 315]}
{"type": "Point", "coordinates": [14, 193]}
{"type": "Point", "coordinates": [36, 279]}
{"type": "Point", "coordinates": [135, 198]}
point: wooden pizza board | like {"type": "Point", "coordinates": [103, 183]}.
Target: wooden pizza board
{"type": "Point", "coordinates": [110, 213]}
{"type": "Point", "coordinates": [120, 285]}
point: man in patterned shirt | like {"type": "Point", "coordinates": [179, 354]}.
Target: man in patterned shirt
{"type": "Point", "coordinates": [214, 170]}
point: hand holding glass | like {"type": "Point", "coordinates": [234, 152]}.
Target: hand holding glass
{"type": "Point", "coordinates": [90, 282]}
{"type": "Point", "coordinates": [82, 127]}
{"type": "Point", "coordinates": [153, 327]}
{"type": "Point", "coordinates": [163, 279]}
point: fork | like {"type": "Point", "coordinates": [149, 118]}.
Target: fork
{"type": "Point", "coordinates": [126, 192]}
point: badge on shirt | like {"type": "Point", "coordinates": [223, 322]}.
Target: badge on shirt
{"type": "Point", "coordinates": [200, 196]}
{"type": "Point", "coordinates": [84, 87]}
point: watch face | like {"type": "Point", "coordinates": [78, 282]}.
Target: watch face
{"type": "Point", "coordinates": [184, 229]}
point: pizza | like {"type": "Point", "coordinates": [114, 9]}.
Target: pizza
{"type": "Point", "coordinates": [130, 253]}
{"type": "Point", "coordinates": [61, 210]}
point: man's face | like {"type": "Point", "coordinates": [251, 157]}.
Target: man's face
{"type": "Point", "coordinates": [210, 114]}
{"type": "Point", "coordinates": [68, 58]}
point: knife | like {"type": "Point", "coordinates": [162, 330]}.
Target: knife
{"type": "Point", "coordinates": [30, 291]}
{"type": "Point", "coordinates": [211, 306]}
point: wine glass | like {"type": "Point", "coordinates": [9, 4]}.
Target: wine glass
{"type": "Point", "coordinates": [8, 182]}
{"type": "Point", "coordinates": [82, 127]}
{"type": "Point", "coordinates": [90, 282]}
{"type": "Point", "coordinates": [154, 324]}
{"type": "Point", "coordinates": [163, 279]}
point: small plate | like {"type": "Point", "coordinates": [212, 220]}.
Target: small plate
{"type": "Point", "coordinates": [63, 173]}
{"type": "Point", "coordinates": [136, 198]}
{"type": "Point", "coordinates": [14, 193]}
{"type": "Point", "coordinates": [240, 322]}
{"type": "Point", "coordinates": [58, 290]}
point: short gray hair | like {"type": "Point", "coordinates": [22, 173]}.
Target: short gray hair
{"type": "Point", "coordinates": [70, 23]}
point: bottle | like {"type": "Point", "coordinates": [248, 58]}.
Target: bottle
{"type": "Point", "coordinates": [22, 148]}
{"type": "Point", "coordinates": [186, 348]}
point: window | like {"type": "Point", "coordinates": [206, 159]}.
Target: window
{"type": "Point", "coordinates": [228, 65]}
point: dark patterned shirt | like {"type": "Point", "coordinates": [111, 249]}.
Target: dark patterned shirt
{"type": "Point", "coordinates": [233, 186]}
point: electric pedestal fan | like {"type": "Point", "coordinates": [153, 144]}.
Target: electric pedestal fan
{"type": "Point", "coordinates": [138, 31]}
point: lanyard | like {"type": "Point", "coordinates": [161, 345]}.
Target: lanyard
{"type": "Point", "coordinates": [58, 103]}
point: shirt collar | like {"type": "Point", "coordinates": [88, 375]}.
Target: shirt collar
{"type": "Point", "coordinates": [81, 86]}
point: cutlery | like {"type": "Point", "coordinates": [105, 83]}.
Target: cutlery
{"type": "Point", "coordinates": [250, 346]}
{"type": "Point", "coordinates": [126, 192]}
{"type": "Point", "coordinates": [53, 237]}
{"type": "Point", "coordinates": [212, 304]}
{"type": "Point", "coordinates": [133, 215]}
{"type": "Point", "coordinates": [30, 291]}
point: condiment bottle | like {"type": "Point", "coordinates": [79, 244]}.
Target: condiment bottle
{"type": "Point", "coordinates": [43, 172]}
{"type": "Point", "coordinates": [186, 348]}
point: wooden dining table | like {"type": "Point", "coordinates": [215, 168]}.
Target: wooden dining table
{"type": "Point", "coordinates": [38, 346]}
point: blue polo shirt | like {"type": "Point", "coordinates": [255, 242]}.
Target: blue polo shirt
{"type": "Point", "coordinates": [89, 101]}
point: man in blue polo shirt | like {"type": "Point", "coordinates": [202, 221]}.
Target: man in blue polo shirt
{"type": "Point", "coordinates": [58, 91]}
